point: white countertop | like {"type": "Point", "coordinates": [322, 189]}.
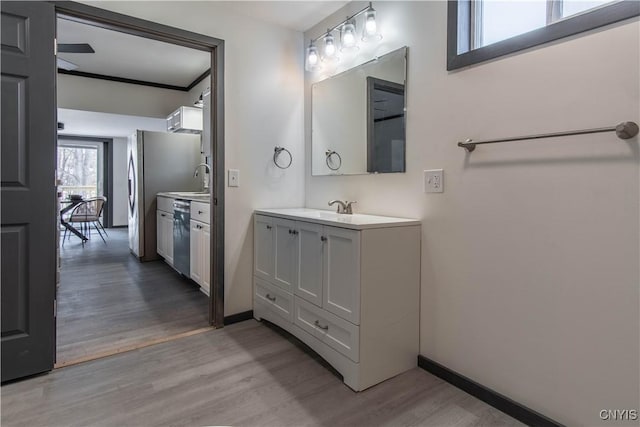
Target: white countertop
{"type": "Point", "coordinates": [354, 221]}
{"type": "Point", "coordinates": [186, 195]}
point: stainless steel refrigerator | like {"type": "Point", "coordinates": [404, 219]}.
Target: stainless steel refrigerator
{"type": "Point", "coordinates": [157, 162]}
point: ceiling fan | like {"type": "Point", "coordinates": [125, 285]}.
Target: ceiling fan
{"type": "Point", "coordinates": [72, 48]}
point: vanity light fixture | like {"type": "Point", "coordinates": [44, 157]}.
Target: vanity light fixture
{"type": "Point", "coordinates": [348, 36]}
{"type": "Point", "coordinates": [348, 39]}
{"type": "Point", "coordinates": [313, 59]}
{"type": "Point", "coordinates": [370, 31]}
{"type": "Point", "coordinates": [330, 52]}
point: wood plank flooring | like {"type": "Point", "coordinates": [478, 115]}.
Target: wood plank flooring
{"type": "Point", "coordinates": [108, 300]}
{"type": "Point", "coordinates": [245, 374]}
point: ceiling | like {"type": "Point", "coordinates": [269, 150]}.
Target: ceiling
{"type": "Point", "coordinates": [90, 123]}
{"type": "Point", "coordinates": [132, 57]}
{"type": "Point", "coordinates": [295, 15]}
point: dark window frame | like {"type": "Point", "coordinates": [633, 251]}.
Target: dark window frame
{"type": "Point", "coordinates": [459, 27]}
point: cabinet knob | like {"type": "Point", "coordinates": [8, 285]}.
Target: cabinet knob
{"type": "Point", "coordinates": [323, 238]}
{"type": "Point", "coordinates": [269, 227]}
{"type": "Point", "coordinates": [200, 212]}
{"type": "Point", "coordinates": [318, 325]}
{"type": "Point", "coordinates": [269, 297]}
{"type": "Point", "coordinates": [163, 215]}
{"type": "Point", "coordinates": [294, 232]}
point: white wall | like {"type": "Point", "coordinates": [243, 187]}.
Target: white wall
{"type": "Point", "coordinates": [82, 93]}
{"type": "Point", "coordinates": [263, 108]}
{"type": "Point", "coordinates": [530, 258]}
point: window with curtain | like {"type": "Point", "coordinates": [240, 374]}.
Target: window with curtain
{"type": "Point", "coordinates": [479, 30]}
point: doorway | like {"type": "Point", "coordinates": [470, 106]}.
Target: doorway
{"type": "Point", "coordinates": [214, 313]}
{"type": "Point", "coordinates": [29, 161]}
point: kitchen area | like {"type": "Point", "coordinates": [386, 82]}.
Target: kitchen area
{"type": "Point", "coordinates": [149, 280]}
{"type": "Point", "coordinates": [169, 181]}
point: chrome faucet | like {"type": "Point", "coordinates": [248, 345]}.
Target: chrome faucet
{"type": "Point", "coordinates": [343, 207]}
{"type": "Point", "coordinates": [195, 172]}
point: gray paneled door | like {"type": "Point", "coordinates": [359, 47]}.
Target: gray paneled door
{"type": "Point", "coordinates": [28, 223]}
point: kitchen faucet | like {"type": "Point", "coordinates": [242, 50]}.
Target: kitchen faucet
{"type": "Point", "coordinates": [195, 172]}
{"type": "Point", "coordinates": [343, 207]}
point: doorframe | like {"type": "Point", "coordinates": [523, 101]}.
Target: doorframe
{"type": "Point", "coordinates": [107, 169]}
{"type": "Point", "coordinates": [139, 27]}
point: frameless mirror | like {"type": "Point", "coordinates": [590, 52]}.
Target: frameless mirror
{"type": "Point", "coordinates": [358, 119]}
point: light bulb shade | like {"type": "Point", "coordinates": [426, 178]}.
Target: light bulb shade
{"type": "Point", "coordinates": [312, 58]}
{"type": "Point", "coordinates": [348, 36]}
{"type": "Point", "coordinates": [370, 31]}
{"type": "Point", "coordinates": [329, 46]}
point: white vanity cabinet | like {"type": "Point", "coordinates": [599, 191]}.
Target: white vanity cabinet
{"type": "Point", "coordinates": [346, 285]}
{"type": "Point", "coordinates": [200, 250]}
{"type": "Point", "coordinates": [164, 229]}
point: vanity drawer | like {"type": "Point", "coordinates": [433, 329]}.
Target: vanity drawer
{"type": "Point", "coordinates": [279, 301]}
{"type": "Point", "coordinates": [200, 212]}
{"type": "Point", "coordinates": [333, 331]}
{"type": "Point", "coordinates": [165, 204]}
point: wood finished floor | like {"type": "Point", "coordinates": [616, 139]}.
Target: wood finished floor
{"type": "Point", "coordinates": [246, 374]}
{"type": "Point", "coordinates": [108, 300]}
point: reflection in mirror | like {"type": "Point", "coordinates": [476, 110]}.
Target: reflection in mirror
{"type": "Point", "coordinates": [358, 119]}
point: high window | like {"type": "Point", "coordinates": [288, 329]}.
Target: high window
{"type": "Point", "coordinates": [484, 29]}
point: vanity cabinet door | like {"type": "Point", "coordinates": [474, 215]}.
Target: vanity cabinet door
{"type": "Point", "coordinates": [341, 273]}
{"type": "Point", "coordinates": [310, 256]}
{"type": "Point", "coordinates": [285, 273]}
{"type": "Point", "coordinates": [263, 253]}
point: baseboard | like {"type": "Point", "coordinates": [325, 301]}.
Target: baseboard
{"type": "Point", "coordinates": [118, 226]}
{"type": "Point", "coordinates": [495, 399]}
{"type": "Point", "coordinates": [238, 317]}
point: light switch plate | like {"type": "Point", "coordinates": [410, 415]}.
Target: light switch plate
{"type": "Point", "coordinates": [234, 178]}
{"type": "Point", "coordinates": [434, 181]}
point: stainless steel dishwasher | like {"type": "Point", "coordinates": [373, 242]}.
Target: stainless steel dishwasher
{"type": "Point", "coordinates": [181, 238]}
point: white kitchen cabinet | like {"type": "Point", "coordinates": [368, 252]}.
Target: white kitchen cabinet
{"type": "Point", "coordinates": [185, 120]}
{"type": "Point", "coordinates": [199, 250]}
{"type": "Point", "coordinates": [199, 245]}
{"type": "Point", "coordinates": [164, 235]}
{"type": "Point", "coordinates": [353, 296]}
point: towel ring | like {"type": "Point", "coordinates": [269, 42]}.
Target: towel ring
{"type": "Point", "coordinates": [330, 153]}
{"type": "Point", "coordinates": [276, 154]}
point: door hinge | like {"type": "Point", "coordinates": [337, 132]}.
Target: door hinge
{"type": "Point", "coordinates": [55, 47]}
{"type": "Point", "coordinates": [55, 308]}
{"type": "Point", "coordinates": [215, 201]}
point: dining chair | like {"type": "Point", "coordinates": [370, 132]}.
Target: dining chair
{"type": "Point", "coordinates": [88, 213]}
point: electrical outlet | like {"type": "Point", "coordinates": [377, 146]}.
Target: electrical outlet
{"type": "Point", "coordinates": [234, 178]}
{"type": "Point", "coordinates": [434, 181]}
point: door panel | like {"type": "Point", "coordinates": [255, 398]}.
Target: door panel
{"type": "Point", "coordinates": [286, 253]}
{"type": "Point", "coordinates": [28, 229]}
{"type": "Point", "coordinates": [341, 279]}
{"type": "Point", "coordinates": [263, 255]}
{"type": "Point", "coordinates": [310, 245]}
